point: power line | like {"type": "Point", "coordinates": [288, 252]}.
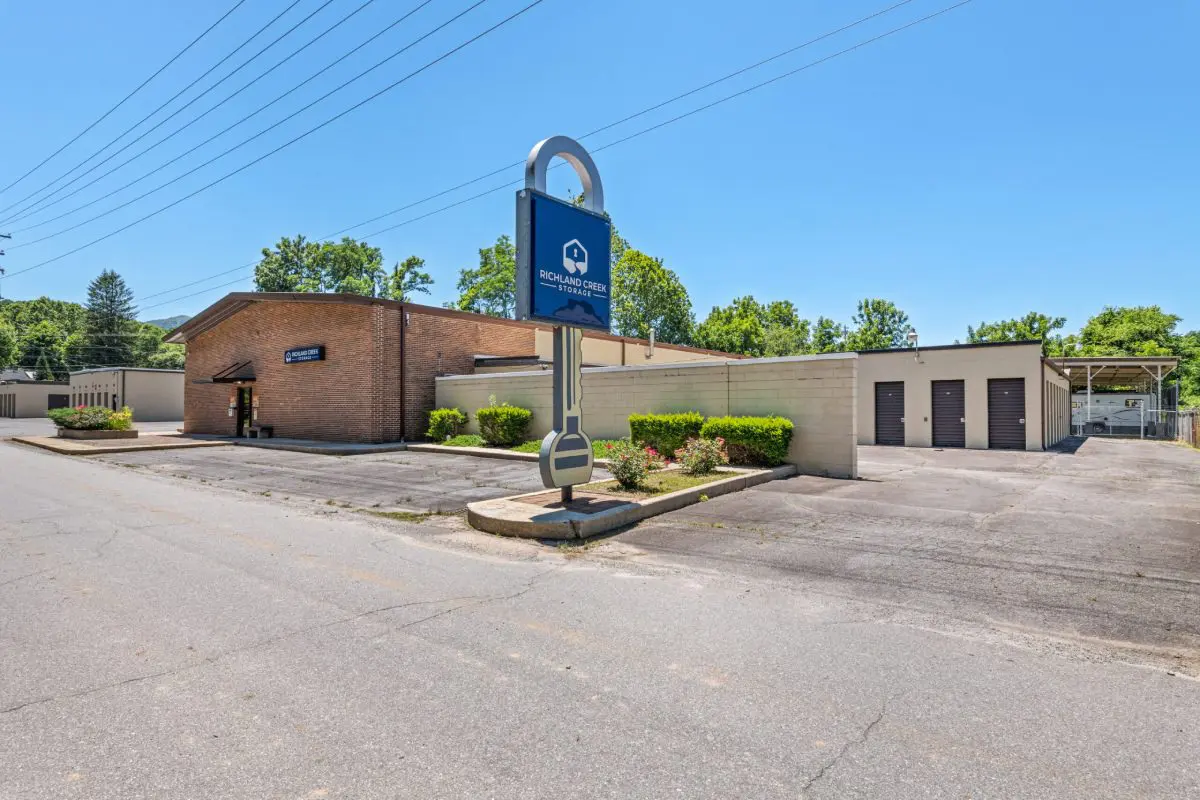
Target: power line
{"type": "Point", "coordinates": [140, 86]}
{"type": "Point", "coordinates": [41, 204]}
{"type": "Point", "coordinates": [194, 120]}
{"type": "Point", "coordinates": [207, 72]}
{"type": "Point", "coordinates": [630, 137]}
{"type": "Point", "coordinates": [276, 124]}
{"type": "Point", "coordinates": [513, 184]}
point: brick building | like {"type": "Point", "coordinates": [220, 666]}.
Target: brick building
{"type": "Point", "coordinates": [352, 368]}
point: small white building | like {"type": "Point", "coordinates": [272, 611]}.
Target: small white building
{"type": "Point", "coordinates": [25, 397]}
{"type": "Point", "coordinates": [155, 395]}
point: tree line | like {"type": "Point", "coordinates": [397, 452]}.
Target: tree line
{"type": "Point", "coordinates": [52, 338]}
{"type": "Point", "coordinates": [648, 296]}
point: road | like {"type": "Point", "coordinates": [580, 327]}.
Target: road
{"type": "Point", "coordinates": [163, 639]}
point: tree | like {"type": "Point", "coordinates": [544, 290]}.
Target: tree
{"type": "Point", "coordinates": [646, 296]}
{"type": "Point", "coordinates": [878, 325]}
{"type": "Point", "coordinates": [9, 348]}
{"type": "Point", "coordinates": [110, 325]}
{"type": "Point", "coordinates": [407, 278]}
{"type": "Point", "coordinates": [295, 265]}
{"type": "Point", "coordinates": [42, 349]}
{"type": "Point", "coordinates": [1189, 369]}
{"type": "Point", "coordinates": [786, 333]}
{"type": "Point", "coordinates": [1031, 326]}
{"type": "Point", "coordinates": [351, 267]}
{"type": "Point", "coordinates": [828, 337]}
{"type": "Point", "coordinates": [736, 328]}
{"type": "Point", "coordinates": [168, 356]}
{"type": "Point", "coordinates": [1129, 331]}
{"type": "Point", "coordinates": [490, 288]}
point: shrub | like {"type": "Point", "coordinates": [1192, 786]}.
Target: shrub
{"type": "Point", "coordinates": [465, 440]}
{"type": "Point", "coordinates": [444, 423]}
{"type": "Point", "coordinates": [628, 463]}
{"type": "Point", "coordinates": [503, 425]}
{"type": "Point", "coordinates": [92, 418]}
{"type": "Point", "coordinates": [666, 433]}
{"type": "Point", "coordinates": [752, 440]}
{"type": "Point", "coordinates": [702, 456]}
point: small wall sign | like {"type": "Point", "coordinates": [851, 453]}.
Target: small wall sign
{"type": "Point", "coordinates": [299, 354]}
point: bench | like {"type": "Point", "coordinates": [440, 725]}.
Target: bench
{"type": "Point", "coordinates": [262, 431]}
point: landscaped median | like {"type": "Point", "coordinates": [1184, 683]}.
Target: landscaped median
{"type": "Point", "coordinates": [604, 506]}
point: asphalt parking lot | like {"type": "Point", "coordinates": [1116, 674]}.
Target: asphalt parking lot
{"type": "Point", "coordinates": [42, 426]}
{"type": "Point", "coordinates": [396, 481]}
{"type": "Point", "coordinates": [1100, 546]}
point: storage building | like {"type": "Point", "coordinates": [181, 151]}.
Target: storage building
{"type": "Point", "coordinates": [155, 395]}
{"type": "Point", "coordinates": [24, 397]}
{"type": "Point", "coordinates": [999, 396]}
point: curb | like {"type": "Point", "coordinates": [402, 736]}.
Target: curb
{"type": "Point", "coordinates": [509, 516]}
{"type": "Point", "coordinates": [83, 450]}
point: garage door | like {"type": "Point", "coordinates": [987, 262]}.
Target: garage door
{"type": "Point", "coordinates": [1006, 413]}
{"type": "Point", "coordinates": [949, 414]}
{"type": "Point", "coordinates": [889, 413]}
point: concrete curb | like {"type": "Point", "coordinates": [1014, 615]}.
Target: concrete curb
{"type": "Point", "coordinates": [508, 516]}
{"type": "Point", "coordinates": [485, 452]}
{"type": "Point", "coordinates": [75, 447]}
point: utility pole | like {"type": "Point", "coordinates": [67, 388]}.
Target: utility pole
{"type": "Point", "coordinates": [3, 236]}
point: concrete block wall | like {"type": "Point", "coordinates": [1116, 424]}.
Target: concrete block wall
{"type": "Point", "coordinates": [817, 393]}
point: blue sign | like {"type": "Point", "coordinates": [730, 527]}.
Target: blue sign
{"type": "Point", "coordinates": [299, 354]}
{"type": "Point", "coordinates": [569, 273]}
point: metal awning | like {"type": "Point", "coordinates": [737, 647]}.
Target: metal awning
{"type": "Point", "coordinates": [242, 372]}
{"type": "Point", "coordinates": [1106, 372]}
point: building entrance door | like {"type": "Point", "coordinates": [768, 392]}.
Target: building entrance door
{"type": "Point", "coordinates": [245, 410]}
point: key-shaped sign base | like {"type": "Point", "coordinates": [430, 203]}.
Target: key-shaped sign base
{"type": "Point", "coordinates": [566, 455]}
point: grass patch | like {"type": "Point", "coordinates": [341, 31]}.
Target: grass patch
{"type": "Point", "coordinates": [400, 516]}
{"type": "Point", "coordinates": [656, 483]}
{"type": "Point", "coordinates": [599, 447]}
{"type": "Point", "coordinates": [465, 440]}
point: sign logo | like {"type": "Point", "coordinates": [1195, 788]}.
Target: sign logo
{"type": "Point", "coordinates": [575, 257]}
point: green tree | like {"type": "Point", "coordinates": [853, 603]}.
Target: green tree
{"type": "Point", "coordinates": [736, 328]}
{"type": "Point", "coordinates": [76, 352]}
{"type": "Point", "coordinates": [1129, 331]}
{"type": "Point", "coordinates": [407, 278]}
{"type": "Point", "coordinates": [878, 325]}
{"type": "Point", "coordinates": [110, 325]}
{"type": "Point", "coordinates": [828, 337]}
{"type": "Point", "coordinates": [295, 265]}
{"type": "Point", "coordinates": [646, 296]}
{"type": "Point", "coordinates": [168, 356]}
{"type": "Point", "coordinates": [351, 267]}
{"type": "Point", "coordinates": [1033, 325]}
{"type": "Point", "coordinates": [490, 288]}
{"type": "Point", "coordinates": [1189, 369]}
{"type": "Point", "coordinates": [9, 345]}
{"type": "Point", "coordinates": [42, 348]}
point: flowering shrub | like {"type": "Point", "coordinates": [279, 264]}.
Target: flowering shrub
{"type": "Point", "coordinates": [630, 464]}
{"type": "Point", "coordinates": [702, 456]}
{"type": "Point", "coordinates": [92, 418]}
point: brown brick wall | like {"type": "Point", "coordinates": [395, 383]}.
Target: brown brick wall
{"type": "Point", "coordinates": [439, 344]}
{"type": "Point", "coordinates": [341, 398]}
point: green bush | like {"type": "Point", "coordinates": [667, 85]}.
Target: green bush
{"type": "Point", "coordinates": [666, 433]}
{"type": "Point", "coordinates": [759, 441]}
{"type": "Point", "coordinates": [465, 440]}
{"type": "Point", "coordinates": [444, 423]}
{"type": "Point", "coordinates": [702, 456]}
{"type": "Point", "coordinates": [92, 418]}
{"type": "Point", "coordinates": [503, 425]}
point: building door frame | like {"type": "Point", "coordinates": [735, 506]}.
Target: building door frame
{"type": "Point", "coordinates": [245, 410]}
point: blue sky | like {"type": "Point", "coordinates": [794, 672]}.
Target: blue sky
{"type": "Point", "coordinates": [1007, 156]}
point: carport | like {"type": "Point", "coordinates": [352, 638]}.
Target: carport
{"type": "Point", "coordinates": [1140, 377]}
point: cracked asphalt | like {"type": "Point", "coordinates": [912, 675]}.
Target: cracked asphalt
{"type": "Point", "coordinates": [162, 638]}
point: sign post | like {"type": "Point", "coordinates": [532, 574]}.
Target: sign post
{"type": "Point", "coordinates": [563, 279]}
